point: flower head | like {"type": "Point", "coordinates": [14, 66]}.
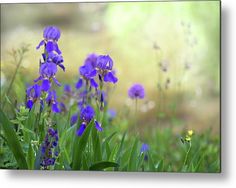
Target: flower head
{"type": "Point", "coordinates": [51, 33]}
{"type": "Point", "coordinates": [136, 91]}
{"type": "Point", "coordinates": [91, 60]}
{"type": "Point", "coordinates": [144, 148]}
{"type": "Point", "coordinates": [104, 66]}
{"type": "Point", "coordinates": [87, 114]}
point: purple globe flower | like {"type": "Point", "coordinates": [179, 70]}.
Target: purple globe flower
{"type": "Point", "coordinates": [136, 91]}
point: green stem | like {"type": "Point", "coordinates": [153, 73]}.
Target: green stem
{"type": "Point", "coordinates": [13, 79]}
{"type": "Point", "coordinates": [186, 156]}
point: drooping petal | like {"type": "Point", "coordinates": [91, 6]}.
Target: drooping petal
{"type": "Point", "coordinates": [56, 81]}
{"type": "Point", "coordinates": [39, 78]}
{"type": "Point", "coordinates": [55, 108]}
{"type": "Point", "coordinates": [29, 104]}
{"type": "Point", "coordinates": [62, 66]}
{"type": "Point", "coordinates": [37, 91]}
{"type": "Point", "coordinates": [42, 42]}
{"type": "Point", "coordinates": [109, 77]}
{"type": "Point", "coordinates": [81, 130]}
{"type": "Point", "coordinates": [45, 85]}
{"type": "Point", "coordinates": [92, 73]}
{"type": "Point", "coordinates": [57, 49]}
{"type": "Point", "coordinates": [79, 83]}
{"type": "Point", "coordinates": [98, 126]}
{"type": "Point", "coordinates": [93, 83]}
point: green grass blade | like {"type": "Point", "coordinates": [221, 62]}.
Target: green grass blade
{"type": "Point", "coordinates": [79, 146]}
{"type": "Point", "coordinates": [13, 141]}
{"type": "Point", "coordinates": [103, 165]}
{"type": "Point", "coordinates": [133, 157]}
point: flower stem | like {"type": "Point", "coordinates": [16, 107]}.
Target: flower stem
{"type": "Point", "coordinates": [186, 156]}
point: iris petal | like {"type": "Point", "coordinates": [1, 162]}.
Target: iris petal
{"type": "Point", "coordinates": [81, 130]}
{"type": "Point", "coordinates": [45, 85]}
{"type": "Point", "coordinates": [79, 83]}
{"type": "Point", "coordinates": [93, 83]}
{"type": "Point", "coordinates": [98, 126]}
{"type": "Point", "coordinates": [40, 44]}
{"type": "Point", "coordinates": [109, 77]}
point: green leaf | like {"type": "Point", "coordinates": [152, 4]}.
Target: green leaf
{"type": "Point", "coordinates": [13, 141]}
{"type": "Point", "coordinates": [102, 165]}
{"type": "Point", "coordinates": [160, 166]}
{"type": "Point", "coordinates": [79, 146]}
{"type": "Point", "coordinates": [96, 145]}
{"type": "Point", "coordinates": [151, 163]}
{"type": "Point", "coordinates": [120, 148]}
{"type": "Point", "coordinates": [30, 157]}
{"type": "Point", "coordinates": [133, 157]}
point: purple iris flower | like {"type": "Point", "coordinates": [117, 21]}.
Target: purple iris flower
{"type": "Point", "coordinates": [88, 74]}
{"type": "Point", "coordinates": [52, 100]}
{"type": "Point", "coordinates": [136, 91]}
{"type": "Point", "coordinates": [91, 60]}
{"type": "Point", "coordinates": [33, 93]}
{"type": "Point", "coordinates": [47, 71]}
{"type": "Point", "coordinates": [86, 115]}
{"type": "Point", "coordinates": [105, 65]}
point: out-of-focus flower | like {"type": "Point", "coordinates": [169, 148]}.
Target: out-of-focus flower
{"type": "Point", "coordinates": [136, 91]}
{"type": "Point", "coordinates": [144, 149]}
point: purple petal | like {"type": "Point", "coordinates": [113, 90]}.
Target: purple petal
{"type": "Point", "coordinates": [55, 108]}
{"type": "Point", "coordinates": [45, 85]}
{"type": "Point", "coordinates": [57, 49]}
{"type": "Point", "coordinates": [62, 66]}
{"type": "Point", "coordinates": [80, 131]}
{"type": "Point", "coordinates": [109, 77]}
{"type": "Point", "coordinates": [40, 44]}
{"type": "Point", "coordinates": [56, 81]}
{"type": "Point", "coordinates": [49, 46]}
{"type": "Point", "coordinates": [93, 73]}
{"type": "Point", "coordinates": [39, 78]}
{"type": "Point", "coordinates": [79, 83]}
{"type": "Point", "coordinates": [93, 83]}
{"type": "Point", "coordinates": [98, 126]}
{"type": "Point", "coordinates": [37, 91]}
{"type": "Point", "coordinates": [29, 104]}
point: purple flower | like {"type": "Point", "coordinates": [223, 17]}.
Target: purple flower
{"type": "Point", "coordinates": [88, 74]}
{"type": "Point", "coordinates": [87, 114]}
{"type": "Point", "coordinates": [91, 60]}
{"type": "Point", "coordinates": [144, 148]}
{"type": "Point", "coordinates": [105, 65]}
{"type": "Point", "coordinates": [136, 91]}
{"type": "Point", "coordinates": [51, 33]}
{"type": "Point", "coordinates": [33, 93]}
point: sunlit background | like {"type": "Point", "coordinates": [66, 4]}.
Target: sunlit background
{"type": "Point", "coordinates": [171, 48]}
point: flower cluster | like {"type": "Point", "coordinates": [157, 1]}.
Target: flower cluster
{"type": "Point", "coordinates": [96, 70]}
{"type": "Point", "coordinates": [49, 149]}
{"type": "Point", "coordinates": [51, 58]}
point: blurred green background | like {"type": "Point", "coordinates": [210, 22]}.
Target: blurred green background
{"type": "Point", "coordinates": [172, 48]}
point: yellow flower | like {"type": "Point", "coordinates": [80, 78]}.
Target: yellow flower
{"type": "Point", "coordinates": [190, 133]}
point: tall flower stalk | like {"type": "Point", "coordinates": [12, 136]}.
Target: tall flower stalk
{"type": "Point", "coordinates": [42, 91]}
